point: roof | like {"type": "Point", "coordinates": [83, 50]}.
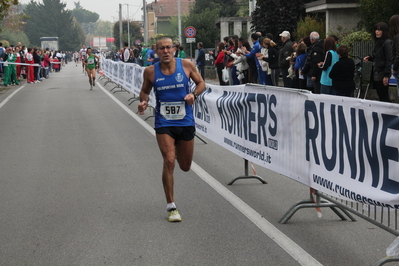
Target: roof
{"type": "Point", "coordinates": [169, 8]}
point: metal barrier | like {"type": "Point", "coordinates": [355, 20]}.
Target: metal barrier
{"type": "Point", "coordinates": [364, 49]}
{"type": "Point", "coordinates": [383, 217]}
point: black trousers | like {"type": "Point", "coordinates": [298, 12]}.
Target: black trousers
{"type": "Point", "coordinates": [219, 68]}
{"type": "Point", "coordinates": [201, 70]}
{"type": "Point", "coordinates": [382, 91]}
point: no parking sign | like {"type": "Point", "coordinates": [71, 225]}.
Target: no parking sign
{"type": "Point", "coordinates": [190, 32]}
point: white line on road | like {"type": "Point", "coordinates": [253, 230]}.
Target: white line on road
{"type": "Point", "coordinates": [9, 97]}
{"type": "Point", "coordinates": [293, 249]}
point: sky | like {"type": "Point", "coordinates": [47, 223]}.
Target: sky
{"type": "Point", "coordinates": [107, 9]}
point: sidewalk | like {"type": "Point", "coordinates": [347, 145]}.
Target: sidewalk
{"type": "Point", "coordinates": [212, 81]}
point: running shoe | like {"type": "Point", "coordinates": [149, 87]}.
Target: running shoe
{"type": "Point", "coordinates": [173, 215]}
{"type": "Point", "coordinates": [91, 87]}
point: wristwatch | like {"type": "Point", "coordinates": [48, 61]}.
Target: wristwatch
{"type": "Point", "coordinates": [195, 95]}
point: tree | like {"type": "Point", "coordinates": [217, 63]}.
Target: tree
{"type": "Point", "coordinates": [225, 8]}
{"type": "Point", "coordinates": [134, 30]}
{"type": "Point", "coordinates": [89, 28]}
{"type": "Point", "coordinates": [307, 25]}
{"type": "Point", "coordinates": [51, 19]}
{"type": "Point", "coordinates": [5, 6]}
{"type": "Point", "coordinates": [204, 23]}
{"type": "Point", "coordinates": [103, 28]}
{"type": "Point", "coordinates": [14, 21]}
{"type": "Point", "coordinates": [14, 37]}
{"type": "Point", "coordinates": [276, 16]}
{"type": "Point", "coordinates": [369, 15]}
{"type": "Point", "coordinates": [83, 15]}
{"type": "Point", "coordinates": [73, 38]}
{"type": "Point", "coordinates": [243, 8]}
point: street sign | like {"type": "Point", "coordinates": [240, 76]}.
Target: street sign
{"type": "Point", "coordinates": [190, 32]}
{"type": "Point", "coordinates": [190, 40]}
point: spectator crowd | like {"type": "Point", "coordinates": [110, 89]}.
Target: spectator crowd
{"type": "Point", "coordinates": [322, 66]}
{"type": "Point", "coordinates": [34, 65]}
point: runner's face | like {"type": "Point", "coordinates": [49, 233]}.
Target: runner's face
{"type": "Point", "coordinates": [165, 50]}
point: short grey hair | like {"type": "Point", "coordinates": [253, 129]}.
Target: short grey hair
{"type": "Point", "coordinates": [314, 35]}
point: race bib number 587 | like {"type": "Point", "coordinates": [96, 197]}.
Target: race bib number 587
{"type": "Point", "coordinates": [173, 110]}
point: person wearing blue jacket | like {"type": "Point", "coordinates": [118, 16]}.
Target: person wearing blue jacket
{"type": "Point", "coordinates": [252, 54]}
{"type": "Point", "coordinates": [299, 65]}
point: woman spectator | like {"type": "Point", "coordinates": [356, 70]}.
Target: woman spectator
{"type": "Point", "coordinates": [219, 62]}
{"type": "Point", "coordinates": [272, 60]}
{"type": "Point", "coordinates": [30, 72]}
{"type": "Point", "coordinates": [182, 54]}
{"type": "Point", "coordinates": [36, 60]}
{"type": "Point", "coordinates": [342, 74]}
{"type": "Point", "coordinates": [18, 61]}
{"type": "Point", "coordinates": [47, 64]}
{"type": "Point", "coordinates": [56, 64]}
{"type": "Point", "coordinates": [394, 34]}
{"type": "Point", "coordinates": [381, 57]}
{"type": "Point", "coordinates": [241, 62]}
{"type": "Point", "coordinates": [22, 58]}
{"type": "Point", "coordinates": [331, 57]}
{"type": "Point", "coordinates": [245, 46]}
{"type": "Point", "coordinates": [264, 75]}
{"type": "Point", "coordinates": [299, 64]}
{"type": "Point", "coordinates": [13, 68]}
{"type": "Point", "coordinates": [231, 68]}
{"type": "Point", "coordinates": [39, 71]}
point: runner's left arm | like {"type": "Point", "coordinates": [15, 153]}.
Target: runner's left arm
{"type": "Point", "coordinates": [196, 77]}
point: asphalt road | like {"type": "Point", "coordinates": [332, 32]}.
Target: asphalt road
{"type": "Point", "coordinates": [80, 184]}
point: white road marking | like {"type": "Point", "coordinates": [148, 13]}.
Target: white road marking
{"type": "Point", "coordinates": [293, 249]}
{"type": "Point", "coordinates": [11, 95]}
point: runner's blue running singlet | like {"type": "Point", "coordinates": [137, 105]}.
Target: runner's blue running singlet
{"type": "Point", "coordinates": [171, 109]}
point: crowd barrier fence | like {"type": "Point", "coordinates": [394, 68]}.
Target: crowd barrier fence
{"type": "Point", "coordinates": [345, 150]}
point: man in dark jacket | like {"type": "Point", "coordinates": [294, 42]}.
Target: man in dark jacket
{"type": "Point", "coordinates": [314, 56]}
{"type": "Point", "coordinates": [285, 52]}
{"type": "Point", "coordinates": [201, 60]}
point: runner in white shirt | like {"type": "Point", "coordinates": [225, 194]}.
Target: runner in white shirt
{"type": "Point", "coordinates": [82, 54]}
{"type": "Point", "coordinates": [76, 57]}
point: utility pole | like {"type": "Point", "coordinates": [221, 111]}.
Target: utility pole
{"type": "Point", "coordinates": [120, 26]}
{"type": "Point", "coordinates": [145, 23]}
{"type": "Point", "coordinates": [128, 26]}
{"type": "Point", "coordinates": [179, 21]}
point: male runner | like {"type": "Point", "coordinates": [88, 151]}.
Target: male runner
{"type": "Point", "coordinates": [82, 54]}
{"type": "Point", "coordinates": [174, 120]}
{"type": "Point", "coordinates": [91, 62]}
{"type": "Point", "coordinates": [76, 57]}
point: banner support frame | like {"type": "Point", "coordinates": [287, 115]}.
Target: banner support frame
{"type": "Point", "coordinates": [247, 176]}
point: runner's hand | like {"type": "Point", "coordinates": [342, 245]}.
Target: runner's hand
{"type": "Point", "coordinates": [142, 107]}
{"type": "Point", "coordinates": [189, 99]}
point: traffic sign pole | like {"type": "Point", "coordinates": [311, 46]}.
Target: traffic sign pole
{"type": "Point", "coordinates": [190, 32]}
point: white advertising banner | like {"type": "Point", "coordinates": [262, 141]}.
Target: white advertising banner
{"type": "Point", "coordinates": [344, 147]}
{"type": "Point", "coordinates": [121, 75]}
